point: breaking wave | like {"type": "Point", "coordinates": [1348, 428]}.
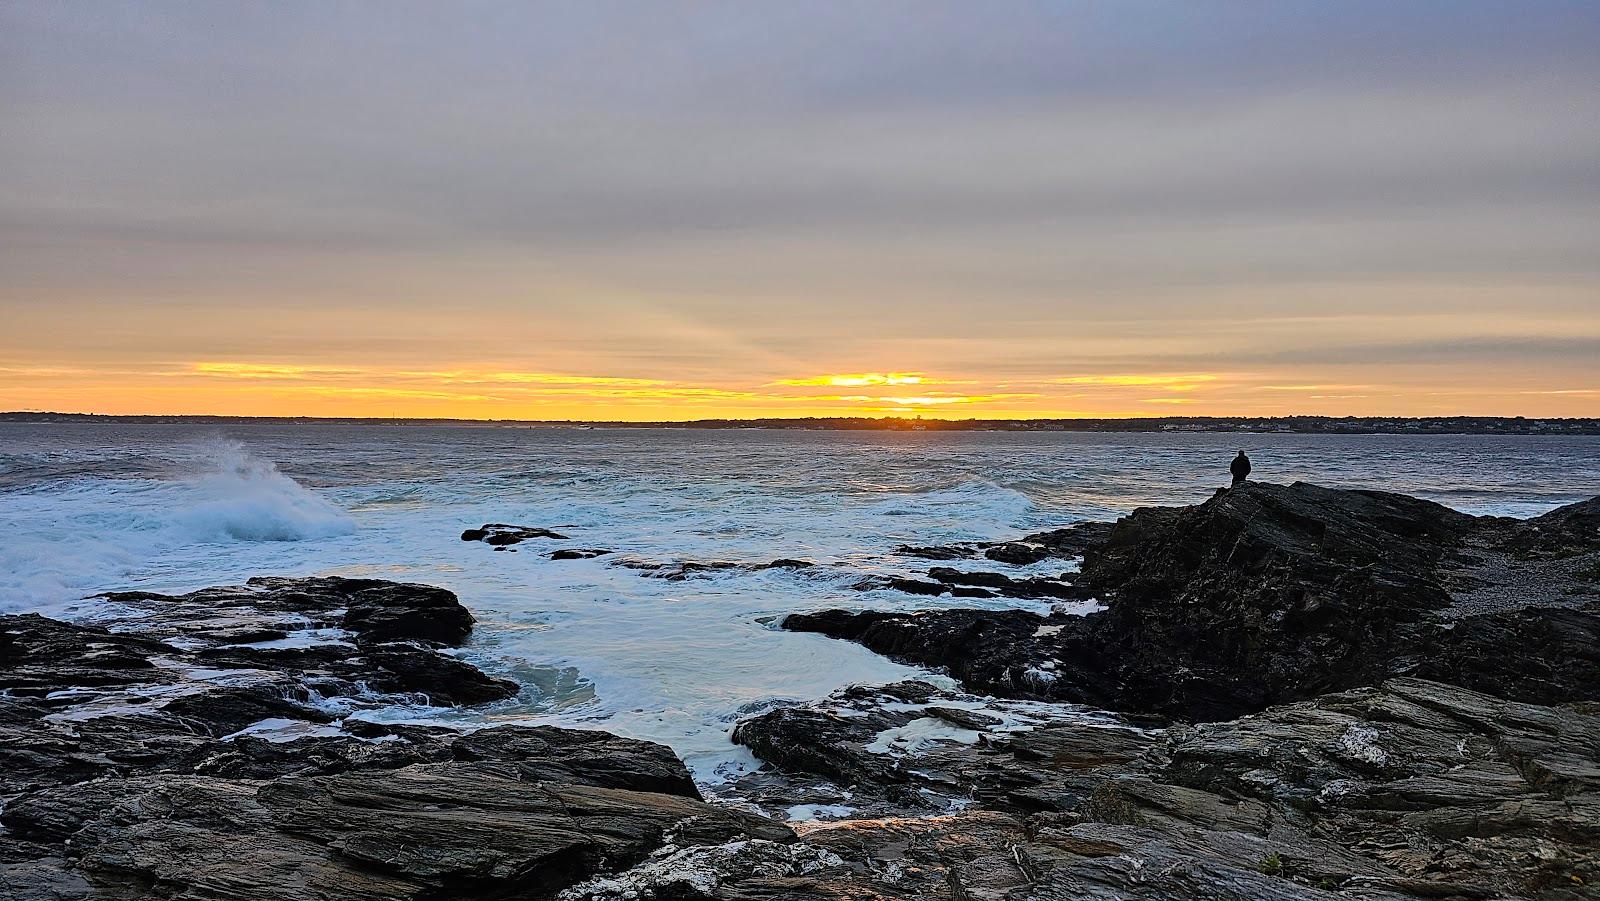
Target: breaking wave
{"type": "Point", "coordinates": [79, 535]}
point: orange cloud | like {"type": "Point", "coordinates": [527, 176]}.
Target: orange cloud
{"type": "Point", "coordinates": [860, 379]}
{"type": "Point", "coordinates": [1186, 382]}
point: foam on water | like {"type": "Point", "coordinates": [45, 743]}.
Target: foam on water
{"type": "Point", "coordinates": [85, 509]}
{"type": "Point", "coordinates": [68, 537]}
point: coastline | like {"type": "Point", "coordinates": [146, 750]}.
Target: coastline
{"type": "Point", "coordinates": [1405, 697]}
{"type": "Point", "coordinates": [1280, 425]}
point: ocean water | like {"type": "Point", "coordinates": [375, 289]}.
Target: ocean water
{"type": "Point", "coordinates": [86, 508]}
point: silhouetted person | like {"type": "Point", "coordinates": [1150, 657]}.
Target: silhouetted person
{"type": "Point", "coordinates": [1240, 467]}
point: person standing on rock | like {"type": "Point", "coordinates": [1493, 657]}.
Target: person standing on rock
{"type": "Point", "coordinates": [1240, 467]}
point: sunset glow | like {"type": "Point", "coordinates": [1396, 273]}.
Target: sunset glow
{"type": "Point", "coordinates": [1280, 210]}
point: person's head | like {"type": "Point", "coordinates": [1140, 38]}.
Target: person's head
{"type": "Point", "coordinates": [1241, 453]}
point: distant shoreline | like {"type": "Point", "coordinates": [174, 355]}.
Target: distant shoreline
{"type": "Point", "coordinates": [1304, 425]}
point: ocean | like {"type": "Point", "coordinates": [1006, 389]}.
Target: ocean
{"type": "Point", "coordinates": [87, 507]}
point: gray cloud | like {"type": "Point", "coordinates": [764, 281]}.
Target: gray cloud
{"type": "Point", "coordinates": [879, 171]}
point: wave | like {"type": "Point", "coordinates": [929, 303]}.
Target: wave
{"type": "Point", "coordinates": [248, 499]}
{"type": "Point", "coordinates": [85, 534]}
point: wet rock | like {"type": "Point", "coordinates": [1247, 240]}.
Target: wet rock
{"type": "Point", "coordinates": [704, 871]}
{"type": "Point", "coordinates": [371, 609]}
{"type": "Point", "coordinates": [224, 709]}
{"type": "Point", "coordinates": [909, 586]}
{"type": "Point", "coordinates": [678, 572]}
{"type": "Point", "coordinates": [499, 534]}
{"type": "Point", "coordinates": [1060, 589]}
{"type": "Point", "coordinates": [1019, 553]}
{"type": "Point", "coordinates": [948, 552]}
{"type": "Point", "coordinates": [581, 757]}
{"type": "Point", "coordinates": [1413, 789]}
{"type": "Point", "coordinates": [584, 553]}
{"type": "Point", "coordinates": [39, 655]}
{"type": "Point", "coordinates": [1265, 594]}
{"type": "Point", "coordinates": [444, 680]}
{"type": "Point", "coordinates": [460, 830]}
{"type": "Point", "coordinates": [134, 767]}
{"type": "Point", "coordinates": [787, 563]}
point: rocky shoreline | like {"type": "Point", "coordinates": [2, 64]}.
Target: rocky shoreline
{"type": "Point", "coordinates": [1287, 692]}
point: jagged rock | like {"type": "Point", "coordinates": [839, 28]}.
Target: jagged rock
{"type": "Point", "coordinates": [460, 830]}
{"type": "Point", "coordinates": [950, 552]}
{"type": "Point", "coordinates": [444, 680]}
{"type": "Point", "coordinates": [909, 586]}
{"type": "Point", "coordinates": [577, 553]}
{"type": "Point", "coordinates": [702, 871]}
{"type": "Point", "coordinates": [499, 534]}
{"type": "Point", "coordinates": [1060, 589]}
{"type": "Point", "coordinates": [1412, 789]}
{"type": "Point", "coordinates": [1019, 553]}
{"type": "Point", "coordinates": [787, 563]}
{"type": "Point", "coordinates": [371, 609]}
{"type": "Point", "coordinates": [1265, 594]}
{"type": "Point", "coordinates": [581, 757]}
{"type": "Point", "coordinates": [39, 655]}
{"type": "Point", "coordinates": [678, 572]}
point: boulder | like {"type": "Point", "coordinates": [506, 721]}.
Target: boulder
{"type": "Point", "coordinates": [1267, 594]}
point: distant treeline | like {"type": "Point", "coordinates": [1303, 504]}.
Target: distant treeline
{"type": "Point", "coordinates": [1344, 425]}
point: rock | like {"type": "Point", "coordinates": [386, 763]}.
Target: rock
{"type": "Point", "coordinates": [1263, 595]}
{"type": "Point", "coordinates": [580, 757]}
{"type": "Point", "coordinates": [787, 563]}
{"type": "Point", "coordinates": [952, 552]}
{"type": "Point", "coordinates": [1008, 587]}
{"type": "Point", "coordinates": [385, 611]}
{"type": "Point", "coordinates": [172, 761]}
{"type": "Point", "coordinates": [678, 572]}
{"type": "Point", "coordinates": [585, 553]}
{"type": "Point", "coordinates": [39, 655]}
{"type": "Point", "coordinates": [225, 709]}
{"type": "Point", "coordinates": [460, 830]}
{"type": "Point", "coordinates": [1413, 789]}
{"type": "Point", "coordinates": [1019, 553]}
{"type": "Point", "coordinates": [909, 586]}
{"type": "Point", "coordinates": [499, 534]}
{"type": "Point", "coordinates": [371, 609]}
{"type": "Point", "coordinates": [702, 871]}
{"type": "Point", "coordinates": [443, 680]}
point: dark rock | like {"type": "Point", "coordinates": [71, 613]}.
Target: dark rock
{"type": "Point", "coordinates": [1072, 541]}
{"type": "Point", "coordinates": [678, 572]}
{"type": "Point", "coordinates": [1263, 595]}
{"type": "Point", "coordinates": [222, 710]}
{"type": "Point", "coordinates": [386, 611]}
{"type": "Point", "coordinates": [909, 586]}
{"type": "Point", "coordinates": [1009, 587]}
{"type": "Point", "coordinates": [458, 830]}
{"type": "Point", "coordinates": [1019, 553]}
{"type": "Point", "coordinates": [1413, 789]}
{"type": "Point", "coordinates": [787, 563]}
{"type": "Point", "coordinates": [580, 757]}
{"type": "Point", "coordinates": [499, 534]}
{"type": "Point", "coordinates": [39, 655]}
{"type": "Point", "coordinates": [586, 553]}
{"type": "Point", "coordinates": [952, 552]}
{"type": "Point", "coordinates": [443, 679]}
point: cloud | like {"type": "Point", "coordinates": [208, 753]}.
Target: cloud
{"type": "Point", "coordinates": [859, 379]}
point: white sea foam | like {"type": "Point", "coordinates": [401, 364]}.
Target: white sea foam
{"type": "Point", "coordinates": [248, 499]}
{"type": "Point", "coordinates": [82, 535]}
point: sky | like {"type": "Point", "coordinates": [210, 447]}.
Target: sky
{"type": "Point", "coordinates": [682, 210]}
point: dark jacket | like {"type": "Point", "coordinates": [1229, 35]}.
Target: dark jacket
{"type": "Point", "coordinates": [1240, 468]}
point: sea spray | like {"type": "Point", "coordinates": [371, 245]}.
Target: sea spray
{"type": "Point", "coordinates": [247, 499]}
{"type": "Point", "coordinates": [73, 537]}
